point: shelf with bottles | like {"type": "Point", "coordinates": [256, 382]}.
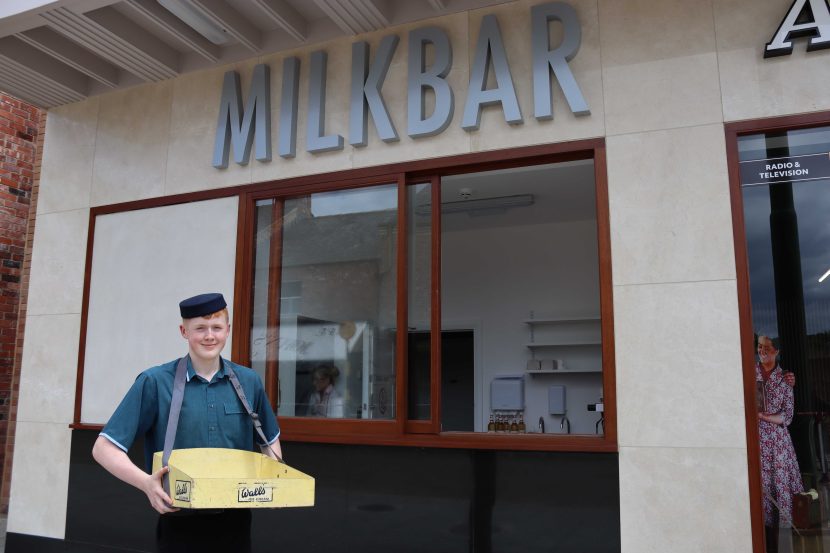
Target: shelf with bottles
{"type": "Point", "coordinates": [507, 422]}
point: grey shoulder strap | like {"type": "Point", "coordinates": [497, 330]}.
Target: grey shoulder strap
{"type": "Point", "coordinates": [173, 417]}
{"type": "Point", "coordinates": [241, 394]}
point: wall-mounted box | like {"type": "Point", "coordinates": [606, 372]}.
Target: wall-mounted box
{"type": "Point", "coordinates": [556, 400]}
{"type": "Point", "coordinates": [507, 393]}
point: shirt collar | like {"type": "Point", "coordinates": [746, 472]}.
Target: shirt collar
{"type": "Point", "coordinates": [191, 372]}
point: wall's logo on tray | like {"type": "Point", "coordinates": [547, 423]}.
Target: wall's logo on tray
{"type": "Point", "coordinates": [258, 494]}
{"type": "Point", "coordinates": [183, 490]}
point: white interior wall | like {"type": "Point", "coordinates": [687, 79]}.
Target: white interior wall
{"type": "Point", "coordinates": [492, 278]}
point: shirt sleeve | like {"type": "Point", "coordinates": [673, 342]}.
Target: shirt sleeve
{"type": "Point", "coordinates": [270, 427]}
{"type": "Point", "coordinates": [134, 415]}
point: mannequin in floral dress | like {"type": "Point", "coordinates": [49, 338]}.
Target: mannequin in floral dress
{"type": "Point", "coordinates": [780, 475]}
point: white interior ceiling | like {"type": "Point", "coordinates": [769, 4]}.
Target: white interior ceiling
{"type": "Point", "coordinates": [57, 52]}
{"type": "Point", "coordinates": [562, 192]}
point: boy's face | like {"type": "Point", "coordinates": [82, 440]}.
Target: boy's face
{"type": "Point", "coordinates": [205, 337]}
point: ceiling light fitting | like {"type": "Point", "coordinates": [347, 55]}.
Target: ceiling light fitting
{"type": "Point", "coordinates": [496, 203]}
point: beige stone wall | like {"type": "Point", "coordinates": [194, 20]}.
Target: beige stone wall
{"type": "Point", "coordinates": [155, 257]}
{"type": "Point", "coordinates": [661, 78]}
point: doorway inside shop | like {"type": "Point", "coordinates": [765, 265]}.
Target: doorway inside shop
{"type": "Point", "coordinates": [457, 377]}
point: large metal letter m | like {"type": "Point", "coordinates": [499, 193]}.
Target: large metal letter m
{"type": "Point", "coordinates": [233, 124]}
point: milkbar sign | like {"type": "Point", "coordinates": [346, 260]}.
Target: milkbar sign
{"type": "Point", "coordinates": [241, 126]}
{"type": "Point", "coordinates": [805, 18]}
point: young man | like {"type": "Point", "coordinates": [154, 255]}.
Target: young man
{"type": "Point", "coordinates": [212, 415]}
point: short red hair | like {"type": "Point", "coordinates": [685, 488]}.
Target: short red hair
{"type": "Point", "coordinates": [215, 314]}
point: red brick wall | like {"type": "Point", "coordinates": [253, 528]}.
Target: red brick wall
{"type": "Point", "coordinates": [20, 145]}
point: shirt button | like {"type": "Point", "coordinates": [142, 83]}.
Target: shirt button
{"type": "Point", "coordinates": [210, 405]}
{"type": "Point", "coordinates": [213, 428]}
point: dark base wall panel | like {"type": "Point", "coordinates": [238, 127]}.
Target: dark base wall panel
{"type": "Point", "coordinates": [37, 544]}
{"type": "Point", "coordinates": [372, 499]}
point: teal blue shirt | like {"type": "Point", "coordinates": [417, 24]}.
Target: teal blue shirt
{"type": "Point", "coordinates": [211, 415]}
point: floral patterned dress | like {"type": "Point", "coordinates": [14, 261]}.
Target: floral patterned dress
{"type": "Point", "coordinates": [780, 474]}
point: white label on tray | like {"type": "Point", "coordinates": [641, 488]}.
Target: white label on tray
{"type": "Point", "coordinates": [255, 494]}
{"type": "Point", "coordinates": [183, 490]}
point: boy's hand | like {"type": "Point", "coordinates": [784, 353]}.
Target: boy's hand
{"type": "Point", "coordinates": [159, 500]}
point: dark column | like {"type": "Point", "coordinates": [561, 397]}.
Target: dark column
{"type": "Point", "coordinates": [789, 291]}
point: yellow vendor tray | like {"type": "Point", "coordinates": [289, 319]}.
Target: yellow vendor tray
{"type": "Point", "coordinates": [215, 478]}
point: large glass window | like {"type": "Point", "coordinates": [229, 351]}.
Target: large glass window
{"type": "Point", "coordinates": [484, 316]}
{"type": "Point", "coordinates": [334, 341]}
{"type": "Point", "coordinates": [785, 180]}
{"type": "Point", "coordinates": [520, 324]}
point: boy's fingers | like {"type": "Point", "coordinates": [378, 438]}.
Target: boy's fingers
{"type": "Point", "coordinates": [159, 474]}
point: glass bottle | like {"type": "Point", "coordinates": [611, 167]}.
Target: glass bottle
{"type": "Point", "coordinates": [514, 427]}
{"type": "Point", "coordinates": [522, 427]}
{"type": "Point", "coordinates": [491, 426]}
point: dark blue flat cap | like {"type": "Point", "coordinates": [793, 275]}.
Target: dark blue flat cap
{"type": "Point", "coordinates": [201, 305]}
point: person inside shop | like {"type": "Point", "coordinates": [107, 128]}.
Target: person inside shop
{"type": "Point", "coordinates": [206, 384]}
{"type": "Point", "coordinates": [325, 400]}
{"type": "Point", "coordinates": [780, 474]}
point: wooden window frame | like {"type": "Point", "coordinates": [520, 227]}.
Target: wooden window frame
{"type": "Point", "coordinates": [733, 132]}
{"type": "Point", "coordinates": [398, 431]}
{"type": "Point", "coordinates": [433, 424]}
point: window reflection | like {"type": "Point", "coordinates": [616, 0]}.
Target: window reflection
{"type": "Point", "coordinates": [261, 335]}
{"type": "Point", "coordinates": [419, 285]}
{"type": "Point", "coordinates": [785, 177]}
{"type": "Point", "coordinates": [336, 330]}
{"type": "Point", "coordinates": [333, 337]}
